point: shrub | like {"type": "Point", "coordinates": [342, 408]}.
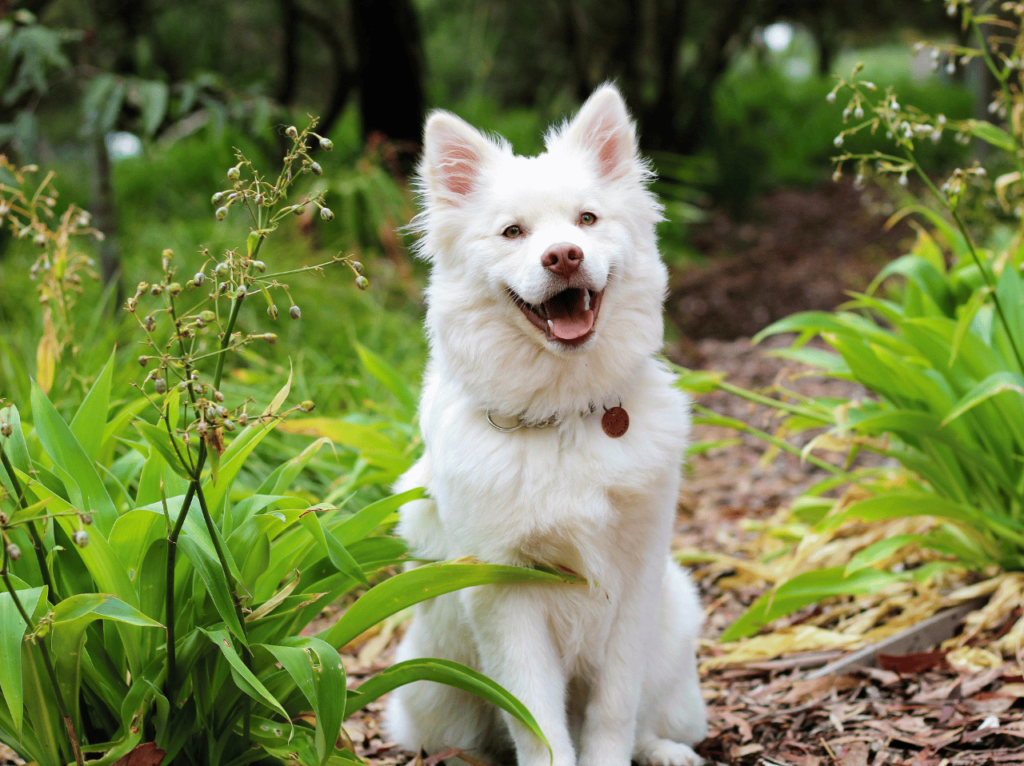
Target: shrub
{"type": "Point", "coordinates": [941, 358]}
{"type": "Point", "coordinates": [151, 601]}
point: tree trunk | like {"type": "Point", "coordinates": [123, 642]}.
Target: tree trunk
{"type": "Point", "coordinates": [391, 94]}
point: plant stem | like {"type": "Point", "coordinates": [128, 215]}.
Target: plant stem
{"type": "Point", "coordinates": [46, 664]}
{"type": "Point", "coordinates": [37, 540]}
{"type": "Point", "coordinates": [974, 254]}
{"type": "Point", "coordinates": [172, 539]}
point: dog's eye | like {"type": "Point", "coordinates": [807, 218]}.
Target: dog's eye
{"type": "Point", "coordinates": [512, 232]}
{"type": "Point", "coordinates": [588, 219]}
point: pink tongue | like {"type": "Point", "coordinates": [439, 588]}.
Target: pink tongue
{"type": "Point", "coordinates": [569, 322]}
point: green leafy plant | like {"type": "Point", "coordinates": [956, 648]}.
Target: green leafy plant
{"type": "Point", "coordinates": [154, 600]}
{"type": "Point", "coordinates": [941, 358]}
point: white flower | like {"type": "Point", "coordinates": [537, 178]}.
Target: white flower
{"type": "Point", "coordinates": [951, 67]}
{"type": "Point", "coordinates": [831, 97]}
{"type": "Point", "coordinates": [936, 136]}
{"type": "Point", "coordinates": [903, 179]}
{"type": "Point", "coordinates": [858, 112]}
{"type": "Point", "coordinates": [838, 141]}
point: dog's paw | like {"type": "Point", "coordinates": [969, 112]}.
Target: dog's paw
{"type": "Point", "coordinates": [665, 752]}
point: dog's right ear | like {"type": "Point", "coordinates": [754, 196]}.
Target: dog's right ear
{"type": "Point", "coordinates": [454, 152]}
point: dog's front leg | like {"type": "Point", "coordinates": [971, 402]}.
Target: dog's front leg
{"type": "Point", "coordinates": [610, 717]}
{"type": "Point", "coordinates": [517, 650]}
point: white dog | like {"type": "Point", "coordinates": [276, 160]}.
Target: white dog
{"type": "Point", "coordinates": [553, 437]}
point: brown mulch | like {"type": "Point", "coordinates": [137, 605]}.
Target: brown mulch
{"type": "Point", "coordinates": [801, 251]}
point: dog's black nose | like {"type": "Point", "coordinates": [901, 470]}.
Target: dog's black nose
{"type": "Point", "coordinates": [563, 259]}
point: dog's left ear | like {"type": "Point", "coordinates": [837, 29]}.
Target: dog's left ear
{"type": "Point", "coordinates": [603, 128]}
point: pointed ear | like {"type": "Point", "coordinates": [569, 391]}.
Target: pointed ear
{"type": "Point", "coordinates": [603, 128]}
{"type": "Point", "coordinates": [454, 153]}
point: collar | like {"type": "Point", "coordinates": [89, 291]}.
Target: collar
{"type": "Point", "coordinates": [615, 421]}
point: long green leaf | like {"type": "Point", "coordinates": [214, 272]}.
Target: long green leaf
{"type": "Point", "coordinates": [445, 672]}
{"type": "Point", "coordinates": [12, 631]}
{"type": "Point", "coordinates": [71, 463]}
{"type": "Point", "coordinates": [243, 676]}
{"type": "Point", "coordinates": [426, 582]}
{"type": "Point", "coordinates": [91, 418]}
{"type": "Point", "coordinates": [212, 575]}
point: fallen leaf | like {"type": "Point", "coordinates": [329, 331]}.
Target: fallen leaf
{"type": "Point", "coordinates": [910, 664]}
{"type": "Point", "coordinates": [146, 754]}
{"type": "Point", "coordinates": [855, 754]}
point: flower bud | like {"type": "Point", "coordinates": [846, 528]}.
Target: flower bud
{"type": "Point", "coordinates": [243, 419]}
{"type": "Point", "coordinates": [229, 425]}
{"type": "Point", "coordinates": [202, 428]}
{"type": "Point", "coordinates": [6, 429]}
{"type": "Point", "coordinates": [211, 413]}
{"type": "Point", "coordinates": [292, 132]}
{"type": "Point", "coordinates": [307, 406]}
{"type": "Point", "coordinates": [143, 361]}
{"type": "Point", "coordinates": [272, 311]}
{"type": "Point", "coordinates": [297, 209]}
{"type": "Point", "coordinates": [221, 270]}
{"type": "Point", "coordinates": [216, 198]}
{"type": "Point", "coordinates": [270, 337]}
{"type": "Point", "coordinates": [13, 552]}
{"type": "Point", "coordinates": [130, 305]}
{"type": "Point", "coordinates": [327, 214]}
{"type": "Point", "coordinates": [174, 288]}
{"type": "Point", "coordinates": [357, 267]}
{"type": "Point", "coordinates": [160, 386]}
{"type": "Point", "coordinates": [40, 240]}
{"type": "Point", "coordinates": [326, 144]}
{"type": "Point", "coordinates": [222, 411]}
{"type": "Point", "coordinates": [222, 213]}
{"type": "Point", "coordinates": [149, 323]}
{"type": "Point", "coordinates": [198, 279]}
{"type": "Point", "coordinates": [86, 519]}
{"type": "Point", "coordinates": [156, 290]}
{"type": "Point", "coordinates": [80, 538]}
{"type": "Point", "coordinates": [296, 312]}
{"type": "Point", "coordinates": [260, 266]}
{"type": "Point", "coordinates": [234, 174]}
{"type": "Point", "coordinates": [207, 316]}
{"type": "Point", "coordinates": [317, 170]}
{"type": "Point", "coordinates": [240, 292]}
{"type": "Point", "coordinates": [362, 282]}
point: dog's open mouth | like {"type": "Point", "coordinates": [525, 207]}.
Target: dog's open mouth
{"type": "Point", "coordinates": [567, 317]}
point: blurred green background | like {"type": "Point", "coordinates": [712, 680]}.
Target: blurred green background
{"type": "Point", "coordinates": [138, 105]}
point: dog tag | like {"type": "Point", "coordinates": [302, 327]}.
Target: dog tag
{"type": "Point", "coordinates": [615, 422]}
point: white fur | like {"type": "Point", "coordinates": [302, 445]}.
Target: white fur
{"type": "Point", "coordinates": [608, 670]}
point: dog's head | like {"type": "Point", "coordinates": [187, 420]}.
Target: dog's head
{"type": "Point", "coordinates": [549, 262]}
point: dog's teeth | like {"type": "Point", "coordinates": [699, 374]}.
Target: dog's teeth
{"type": "Point", "coordinates": [551, 326]}
{"type": "Point", "coordinates": [586, 300]}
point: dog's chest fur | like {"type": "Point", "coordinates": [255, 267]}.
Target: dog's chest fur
{"type": "Point", "coordinates": [564, 495]}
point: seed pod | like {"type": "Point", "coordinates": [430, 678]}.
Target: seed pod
{"type": "Point", "coordinates": [315, 167]}
{"type": "Point", "coordinates": [270, 337]}
{"type": "Point", "coordinates": [211, 413]}
{"type": "Point", "coordinates": [228, 425]}
{"type": "Point", "coordinates": [207, 316]}
{"type": "Point", "coordinates": [240, 292]}
{"type": "Point", "coordinates": [357, 267]}
{"type": "Point", "coordinates": [272, 311]}
{"type": "Point", "coordinates": [86, 519]}
{"type": "Point", "coordinates": [234, 174]}
{"type": "Point", "coordinates": [143, 286]}
{"type": "Point", "coordinates": [156, 290]}
{"type": "Point", "coordinates": [221, 270]}
{"type": "Point", "coordinates": [292, 132]}
{"type": "Point", "coordinates": [143, 361]}
{"type": "Point", "coordinates": [216, 198]}
{"type": "Point", "coordinates": [297, 209]}
{"type": "Point", "coordinates": [6, 429]}
{"type": "Point", "coordinates": [362, 282]}
{"type": "Point", "coordinates": [326, 144]}
{"type": "Point", "coordinates": [243, 419]}
{"type": "Point", "coordinates": [202, 428]}
{"type": "Point", "coordinates": [258, 199]}
{"type": "Point", "coordinates": [80, 538]}
{"type": "Point", "coordinates": [198, 279]}
{"type": "Point", "coordinates": [13, 552]}
{"type": "Point", "coordinates": [260, 266]}
{"type": "Point", "coordinates": [307, 406]}
{"type": "Point", "coordinates": [224, 287]}
{"type": "Point", "coordinates": [130, 304]}
{"type": "Point", "coordinates": [327, 214]}
{"type": "Point", "coordinates": [222, 213]}
{"type": "Point", "coordinates": [149, 323]}
{"type": "Point", "coordinates": [174, 288]}
{"type": "Point", "coordinates": [295, 312]}
{"type": "Point", "coordinates": [160, 386]}
{"type": "Point", "coordinates": [222, 411]}
{"type": "Point", "coordinates": [40, 240]}
{"type": "Point", "coordinates": [218, 396]}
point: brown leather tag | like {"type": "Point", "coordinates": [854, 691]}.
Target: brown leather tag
{"type": "Point", "coordinates": [615, 422]}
